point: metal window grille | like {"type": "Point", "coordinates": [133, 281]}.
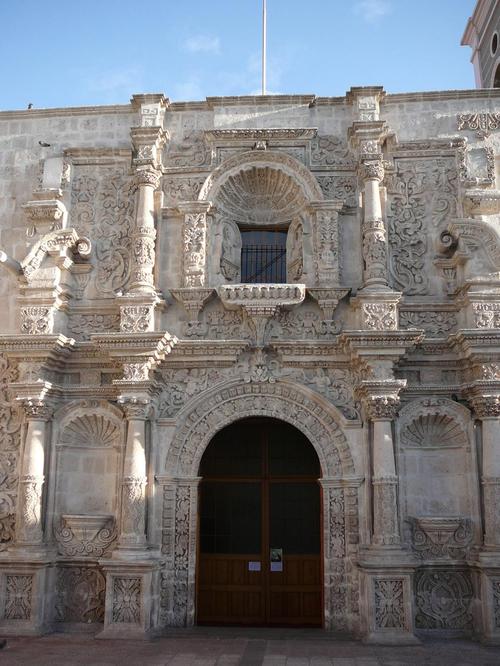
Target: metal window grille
{"type": "Point", "coordinates": [263, 263]}
{"type": "Point", "coordinates": [263, 256]}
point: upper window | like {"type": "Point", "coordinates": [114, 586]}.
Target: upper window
{"type": "Point", "coordinates": [494, 43]}
{"type": "Point", "coordinates": [263, 255]}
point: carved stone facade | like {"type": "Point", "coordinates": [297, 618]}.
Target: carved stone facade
{"type": "Point", "coordinates": [129, 342]}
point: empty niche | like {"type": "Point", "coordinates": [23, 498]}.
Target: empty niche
{"type": "Point", "coordinates": [435, 459]}
{"type": "Point", "coordinates": [87, 464]}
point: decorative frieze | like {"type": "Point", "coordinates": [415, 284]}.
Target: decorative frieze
{"type": "Point", "coordinates": [480, 123]}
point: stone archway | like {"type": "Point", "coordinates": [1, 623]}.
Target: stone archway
{"type": "Point", "coordinates": [320, 422]}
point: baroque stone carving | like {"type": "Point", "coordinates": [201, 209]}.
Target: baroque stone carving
{"type": "Point", "coordinates": [222, 406]}
{"type": "Point", "coordinates": [135, 318]}
{"type": "Point", "coordinates": [230, 251]}
{"type": "Point", "coordinates": [82, 325]}
{"type": "Point", "coordinates": [436, 323]}
{"type": "Point", "coordinates": [91, 430]}
{"type": "Point", "coordinates": [85, 536]}
{"type": "Point", "coordinates": [134, 498]}
{"type": "Point", "coordinates": [422, 199]}
{"type": "Point", "coordinates": [302, 324]}
{"type": "Point", "coordinates": [336, 535]}
{"type": "Point", "coordinates": [443, 599]}
{"type": "Point", "coordinates": [375, 251]}
{"type": "Point", "coordinates": [495, 584]}
{"type": "Point", "coordinates": [37, 320]}
{"type": "Point", "coordinates": [385, 528]}
{"type": "Point", "coordinates": [10, 441]}
{"type": "Point", "coordinates": [438, 538]}
{"type": "Point", "coordinates": [380, 316]}
{"type": "Point", "coordinates": [328, 247]}
{"type": "Point", "coordinates": [126, 600]}
{"type": "Point", "coordinates": [194, 239]}
{"type": "Point", "coordinates": [80, 595]}
{"type": "Point", "coordinates": [433, 430]}
{"type": "Point", "coordinates": [330, 151]}
{"type": "Point", "coordinates": [103, 208]}
{"type": "Point", "coordinates": [191, 151]}
{"type": "Point", "coordinates": [181, 189]}
{"type": "Point", "coordinates": [260, 195]}
{"type": "Point", "coordinates": [182, 385]}
{"type": "Point", "coordinates": [343, 188]}
{"type": "Point", "coordinates": [389, 604]}
{"type": "Point", "coordinates": [486, 315]}
{"type": "Point", "coordinates": [481, 123]}
{"type": "Point", "coordinates": [181, 553]}
{"type": "Point", "coordinates": [18, 597]}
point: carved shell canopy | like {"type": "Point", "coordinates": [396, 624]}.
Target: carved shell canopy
{"type": "Point", "coordinates": [433, 431]}
{"type": "Point", "coordinates": [260, 195]}
{"type": "Point", "coordinates": [91, 430]}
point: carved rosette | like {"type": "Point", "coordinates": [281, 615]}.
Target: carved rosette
{"type": "Point", "coordinates": [385, 511]}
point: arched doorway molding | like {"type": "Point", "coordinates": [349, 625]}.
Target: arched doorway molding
{"type": "Point", "coordinates": [316, 418]}
{"type": "Point", "coordinates": [261, 158]}
{"type": "Point", "coordinates": [320, 422]}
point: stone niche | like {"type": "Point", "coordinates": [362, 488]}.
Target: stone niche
{"type": "Point", "coordinates": [88, 453]}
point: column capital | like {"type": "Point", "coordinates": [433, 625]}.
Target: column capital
{"type": "Point", "coordinates": [372, 170]}
{"type": "Point", "coordinates": [380, 399]}
{"type": "Point", "coordinates": [147, 177]}
{"type": "Point", "coordinates": [486, 406]}
{"type": "Point", "coordinates": [36, 409]}
{"type": "Point", "coordinates": [136, 408]}
{"type": "Point", "coordinates": [194, 207]}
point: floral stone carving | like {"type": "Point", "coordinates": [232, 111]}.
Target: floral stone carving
{"type": "Point", "coordinates": [443, 599]}
{"type": "Point", "coordinates": [85, 536]}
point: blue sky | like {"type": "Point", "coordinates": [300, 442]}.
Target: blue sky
{"type": "Point", "coordinates": [73, 53]}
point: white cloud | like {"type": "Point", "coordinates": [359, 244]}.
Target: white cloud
{"type": "Point", "coordinates": [202, 44]}
{"type": "Point", "coordinates": [372, 10]}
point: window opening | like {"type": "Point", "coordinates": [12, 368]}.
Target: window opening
{"type": "Point", "coordinates": [263, 255]}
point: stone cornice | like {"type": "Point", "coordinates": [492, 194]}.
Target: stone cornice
{"type": "Point", "coordinates": [474, 344]}
{"type": "Point", "coordinates": [386, 343]}
{"type": "Point", "coordinates": [275, 134]}
{"type": "Point", "coordinates": [219, 350]}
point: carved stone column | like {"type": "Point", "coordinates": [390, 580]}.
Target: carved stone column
{"type": "Point", "coordinates": [194, 243]}
{"type": "Point", "coordinates": [144, 233]}
{"type": "Point", "coordinates": [326, 242]}
{"type": "Point", "coordinates": [29, 525]}
{"type": "Point", "coordinates": [132, 536]}
{"type": "Point", "coordinates": [381, 405]}
{"type": "Point", "coordinates": [374, 231]}
{"type": "Point", "coordinates": [487, 409]}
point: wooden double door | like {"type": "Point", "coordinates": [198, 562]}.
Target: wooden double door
{"type": "Point", "coordinates": [259, 560]}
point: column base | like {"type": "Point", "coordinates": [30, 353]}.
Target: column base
{"type": "Point", "coordinates": [132, 598]}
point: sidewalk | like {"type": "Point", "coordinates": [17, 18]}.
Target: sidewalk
{"type": "Point", "coordinates": [248, 647]}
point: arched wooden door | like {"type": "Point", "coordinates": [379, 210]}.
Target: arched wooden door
{"type": "Point", "coordinates": [259, 559]}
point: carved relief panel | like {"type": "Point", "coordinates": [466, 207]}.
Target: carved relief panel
{"type": "Point", "coordinates": [422, 202]}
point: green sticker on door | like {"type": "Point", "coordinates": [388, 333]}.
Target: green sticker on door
{"type": "Point", "coordinates": [276, 557]}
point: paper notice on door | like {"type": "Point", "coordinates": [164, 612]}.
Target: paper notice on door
{"type": "Point", "coordinates": [276, 566]}
{"type": "Point", "coordinates": [254, 566]}
{"type": "Point", "coordinates": [276, 557]}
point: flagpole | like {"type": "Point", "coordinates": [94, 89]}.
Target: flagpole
{"type": "Point", "coordinates": [264, 30]}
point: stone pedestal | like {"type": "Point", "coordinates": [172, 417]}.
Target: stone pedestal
{"type": "Point", "coordinates": [132, 598]}
{"type": "Point", "coordinates": [27, 596]}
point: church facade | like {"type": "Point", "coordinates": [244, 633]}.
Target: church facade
{"type": "Point", "coordinates": [250, 365]}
